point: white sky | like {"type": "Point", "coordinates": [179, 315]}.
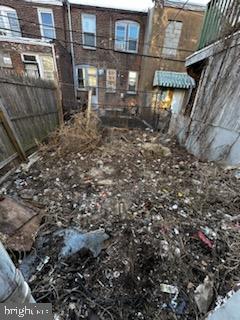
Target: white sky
{"type": "Point", "coordinates": [129, 4]}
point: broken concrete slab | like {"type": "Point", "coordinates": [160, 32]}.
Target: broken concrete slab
{"type": "Point", "coordinates": [229, 310]}
{"type": "Point", "coordinates": [19, 223]}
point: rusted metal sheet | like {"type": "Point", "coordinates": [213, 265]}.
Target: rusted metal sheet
{"type": "Point", "coordinates": [19, 223]}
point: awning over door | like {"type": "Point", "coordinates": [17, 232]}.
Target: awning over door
{"type": "Point", "coordinates": [171, 79]}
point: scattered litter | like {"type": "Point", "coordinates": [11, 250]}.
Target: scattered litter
{"type": "Point", "coordinates": [204, 239]}
{"type": "Point", "coordinates": [74, 241]}
{"type": "Point", "coordinates": [237, 174]}
{"type": "Point", "coordinates": [153, 208]}
{"type": "Point", "coordinates": [42, 264]}
{"type": "Point", "coordinates": [203, 295]}
{"type": "Point", "coordinates": [31, 160]}
{"type": "Point", "coordinates": [157, 149]}
{"type": "Point", "coordinates": [166, 288]}
{"type": "Point", "coordinates": [229, 310]}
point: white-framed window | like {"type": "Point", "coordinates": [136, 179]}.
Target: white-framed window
{"type": "Point", "coordinates": [126, 36]}
{"type": "Point", "coordinates": [31, 65]}
{"type": "Point", "coordinates": [111, 80]}
{"type": "Point", "coordinates": [39, 66]}
{"type": "Point", "coordinates": [89, 31]}
{"type": "Point", "coordinates": [46, 21]}
{"type": "Point", "coordinates": [86, 77]}
{"type": "Point", "coordinates": [172, 37]}
{"type": "Point", "coordinates": [5, 60]}
{"type": "Point", "coordinates": [132, 81]}
{"type": "Point", "coordinates": [9, 23]}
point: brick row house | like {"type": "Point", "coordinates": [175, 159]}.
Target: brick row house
{"type": "Point", "coordinates": [112, 51]}
{"type": "Point", "coordinates": [33, 42]}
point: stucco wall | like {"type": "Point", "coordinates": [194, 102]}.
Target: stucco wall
{"type": "Point", "coordinates": [213, 130]}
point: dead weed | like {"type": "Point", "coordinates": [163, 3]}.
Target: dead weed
{"type": "Point", "coordinates": [79, 135]}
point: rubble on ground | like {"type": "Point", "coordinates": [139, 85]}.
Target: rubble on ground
{"type": "Point", "coordinates": [170, 220]}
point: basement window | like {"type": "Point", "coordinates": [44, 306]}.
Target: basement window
{"type": "Point", "coordinates": [126, 36]}
{"type": "Point", "coordinates": [89, 31]}
{"type": "Point", "coordinates": [111, 79]}
{"type": "Point", "coordinates": [9, 24]}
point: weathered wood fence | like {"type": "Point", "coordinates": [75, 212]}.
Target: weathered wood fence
{"type": "Point", "coordinates": [29, 110]}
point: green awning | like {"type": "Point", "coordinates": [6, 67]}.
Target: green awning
{"type": "Point", "coordinates": [171, 79]}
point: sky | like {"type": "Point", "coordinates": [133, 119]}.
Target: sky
{"type": "Point", "coordinates": [129, 4]}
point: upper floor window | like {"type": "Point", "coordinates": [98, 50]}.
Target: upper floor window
{"type": "Point", "coordinates": [9, 24]}
{"type": "Point", "coordinates": [89, 30]}
{"type": "Point", "coordinates": [172, 37]}
{"type": "Point", "coordinates": [46, 21]}
{"type": "Point", "coordinates": [126, 36]}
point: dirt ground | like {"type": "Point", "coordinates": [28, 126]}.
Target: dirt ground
{"type": "Point", "coordinates": [171, 220]}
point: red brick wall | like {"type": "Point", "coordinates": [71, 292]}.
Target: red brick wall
{"type": "Point", "coordinates": [27, 12]}
{"type": "Point", "coordinates": [16, 49]}
{"type": "Point", "coordinates": [108, 59]}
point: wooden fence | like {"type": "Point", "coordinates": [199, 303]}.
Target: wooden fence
{"type": "Point", "coordinates": [29, 110]}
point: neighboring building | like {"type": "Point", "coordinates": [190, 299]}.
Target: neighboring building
{"type": "Point", "coordinates": [172, 33]}
{"type": "Point", "coordinates": [30, 31]}
{"type": "Point", "coordinates": [116, 52]}
{"type": "Point", "coordinates": [28, 57]}
{"type": "Point", "coordinates": [109, 55]}
{"type": "Point", "coordinates": [209, 126]}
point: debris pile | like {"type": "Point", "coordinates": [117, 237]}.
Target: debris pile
{"type": "Point", "coordinates": [169, 225]}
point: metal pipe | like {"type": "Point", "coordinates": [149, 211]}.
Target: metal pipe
{"type": "Point", "coordinates": [71, 44]}
{"type": "Point", "coordinates": [13, 288]}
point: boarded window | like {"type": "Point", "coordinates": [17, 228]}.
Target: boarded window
{"type": "Point", "coordinates": [5, 60]}
{"type": "Point", "coordinates": [111, 79]}
{"type": "Point", "coordinates": [172, 37]}
{"type": "Point", "coordinates": [48, 67]}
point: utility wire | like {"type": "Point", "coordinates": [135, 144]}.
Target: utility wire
{"type": "Point", "coordinates": [98, 47]}
{"type": "Point", "coordinates": [97, 36]}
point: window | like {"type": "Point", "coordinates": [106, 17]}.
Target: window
{"type": "Point", "coordinates": [126, 36]}
{"type": "Point", "coordinates": [5, 60]}
{"type": "Point", "coordinates": [87, 77]}
{"type": "Point", "coordinates": [89, 30]}
{"type": "Point", "coordinates": [9, 24]}
{"type": "Point", "coordinates": [172, 37]}
{"type": "Point", "coordinates": [48, 67]}
{"type": "Point", "coordinates": [31, 66]}
{"type": "Point", "coordinates": [46, 22]}
{"type": "Point", "coordinates": [132, 81]}
{"type": "Point", "coordinates": [111, 79]}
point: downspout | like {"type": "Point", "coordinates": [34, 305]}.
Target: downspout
{"type": "Point", "coordinates": [71, 44]}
